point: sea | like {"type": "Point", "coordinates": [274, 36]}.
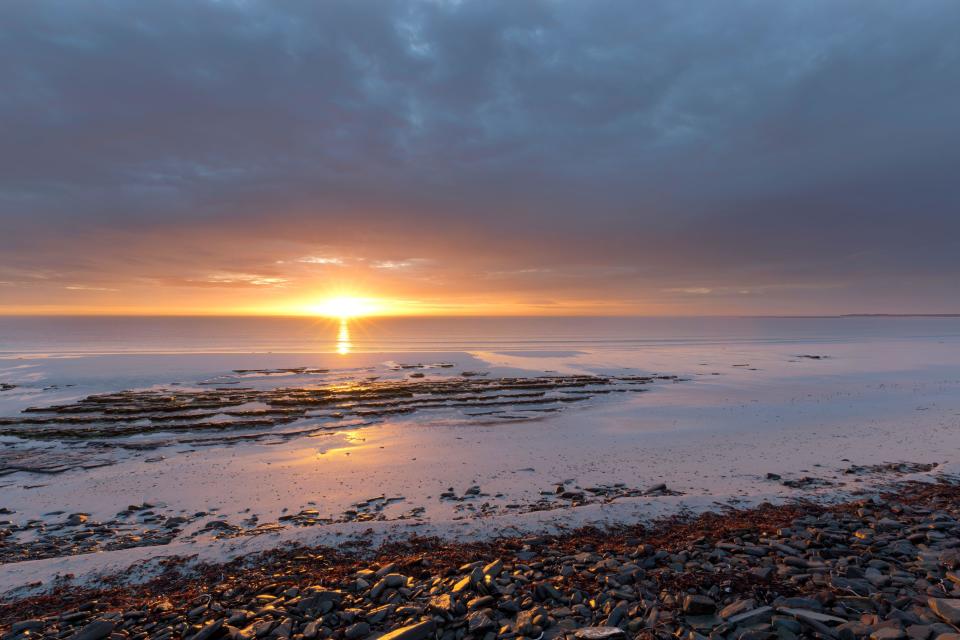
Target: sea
{"type": "Point", "coordinates": [87, 335]}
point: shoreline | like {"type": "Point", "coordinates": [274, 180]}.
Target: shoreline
{"type": "Point", "coordinates": [903, 525]}
{"type": "Point", "coordinates": [138, 563]}
{"type": "Point", "coordinates": [744, 427]}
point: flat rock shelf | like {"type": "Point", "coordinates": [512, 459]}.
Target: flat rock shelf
{"type": "Point", "coordinates": [124, 413]}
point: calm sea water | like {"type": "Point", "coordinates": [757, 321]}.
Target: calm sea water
{"type": "Point", "coordinates": [88, 335]}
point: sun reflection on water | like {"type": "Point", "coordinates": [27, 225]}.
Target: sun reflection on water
{"type": "Point", "coordinates": [343, 338]}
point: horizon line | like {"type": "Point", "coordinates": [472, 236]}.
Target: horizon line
{"type": "Point", "coordinates": [479, 315]}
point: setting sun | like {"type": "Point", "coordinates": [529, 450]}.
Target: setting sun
{"type": "Point", "coordinates": [346, 307]}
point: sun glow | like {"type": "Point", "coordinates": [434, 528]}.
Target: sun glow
{"type": "Point", "coordinates": [345, 307]}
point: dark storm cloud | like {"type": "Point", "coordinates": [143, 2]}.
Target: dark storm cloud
{"type": "Point", "coordinates": [624, 147]}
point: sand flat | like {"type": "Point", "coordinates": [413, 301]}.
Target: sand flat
{"type": "Point", "coordinates": [741, 411]}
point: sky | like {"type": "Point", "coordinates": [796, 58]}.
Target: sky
{"type": "Point", "coordinates": [456, 157]}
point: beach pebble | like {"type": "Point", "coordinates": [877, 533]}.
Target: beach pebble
{"type": "Point", "coordinates": [95, 630]}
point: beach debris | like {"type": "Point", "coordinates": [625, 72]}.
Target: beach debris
{"type": "Point", "coordinates": [310, 371]}
{"type": "Point", "coordinates": [806, 482]}
{"type": "Point", "coordinates": [400, 366]}
{"type": "Point", "coordinates": [898, 468]}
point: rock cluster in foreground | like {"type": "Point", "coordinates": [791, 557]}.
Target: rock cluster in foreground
{"type": "Point", "coordinates": [883, 568]}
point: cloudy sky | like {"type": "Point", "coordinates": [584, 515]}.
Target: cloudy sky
{"type": "Point", "coordinates": [453, 156]}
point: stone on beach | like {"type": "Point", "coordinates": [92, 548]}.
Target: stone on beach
{"type": "Point", "coordinates": [600, 633]}
{"type": "Point", "coordinates": [947, 608]}
{"type": "Point", "coordinates": [791, 572]}
{"type": "Point", "coordinates": [419, 631]}
{"type": "Point", "coordinates": [95, 630]}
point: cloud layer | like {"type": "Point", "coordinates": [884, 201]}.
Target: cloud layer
{"type": "Point", "coordinates": [733, 157]}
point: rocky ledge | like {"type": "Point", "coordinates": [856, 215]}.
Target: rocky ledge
{"type": "Point", "coordinates": [113, 416]}
{"type": "Point", "coordinates": [96, 430]}
{"type": "Point", "coordinates": [881, 568]}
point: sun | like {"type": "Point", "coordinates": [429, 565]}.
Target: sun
{"type": "Point", "coordinates": [345, 307]}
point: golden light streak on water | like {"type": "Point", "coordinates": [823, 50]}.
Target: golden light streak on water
{"type": "Point", "coordinates": [343, 338]}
